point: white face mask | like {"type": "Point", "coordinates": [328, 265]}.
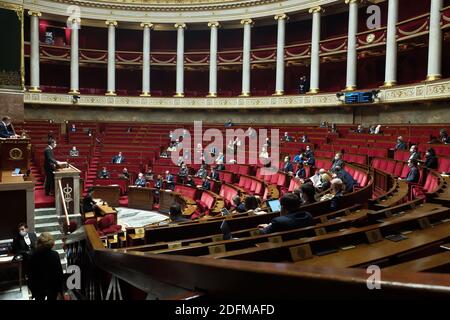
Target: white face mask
{"type": "Point", "coordinates": [23, 233]}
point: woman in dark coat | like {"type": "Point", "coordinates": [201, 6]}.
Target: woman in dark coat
{"type": "Point", "coordinates": [46, 273]}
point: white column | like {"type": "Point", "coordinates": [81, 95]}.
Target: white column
{"type": "Point", "coordinates": [213, 59]}
{"type": "Point", "coordinates": [315, 50]}
{"type": "Point", "coordinates": [146, 59]}
{"type": "Point", "coordinates": [74, 65]}
{"type": "Point", "coordinates": [352, 58]}
{"type": "Point", "coordinates": [180, 59]}
{"type": "Point", "coordinates": [246, 57]}
{"type": "Point", "coordinates": [34, 59]}
{"type": "Point", "coordinates": [111, 90]}
{"type": "Point", "coordinates": [279, 80]}
{"type": "Point", "coordinates": [435, 42]}
{"type": "Point", "coordinates": [390, 75]}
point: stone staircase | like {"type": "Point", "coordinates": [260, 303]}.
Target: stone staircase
{"type": "Point", "coordinates": [46, 220]}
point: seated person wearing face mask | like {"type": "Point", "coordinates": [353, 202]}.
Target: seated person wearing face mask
{"type": "Point", "coordinates": [291, 216]}
{"type": "Point", "coordinates": [25, 242]}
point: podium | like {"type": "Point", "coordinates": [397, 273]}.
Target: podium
{"type": "Point", "coordinates": [16, 191]}
{"type": "Point", "coordinates": [15, 153]}
{"type": "Point", "coordinates": [67, 193]}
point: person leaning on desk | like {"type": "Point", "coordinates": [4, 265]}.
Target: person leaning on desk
{"type": "Point", "coordinates": [7, 129]}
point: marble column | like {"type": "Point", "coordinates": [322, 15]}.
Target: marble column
{"type": "Point", "coordinates": [315, 50]}
{"type": "Point", "coordinates": [246, 69]}
{"type": "Point", "coordinates": [34, 54]}
{"type": "Point", "coordinates": [111, 90]}
{"type": "Point", "coordinates": [435, 42]}
{"type": "Point", "coordinates": [390, 74]}
{"type": "Point", "coordinates": [279, 80]}
{"type": "Point", "coordinates": [352, 55]}
{"type": "Point", "coordinates": [74, 63]}
{"type": "Point", "coordinates": [180, 59]}
{"type": "Point", "coordinates": [213, 59]}
{"type": "Point", "coordinates": [146, 59]}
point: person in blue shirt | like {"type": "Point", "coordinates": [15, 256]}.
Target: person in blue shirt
{"type": "Point", "coordinates": [299, 156]}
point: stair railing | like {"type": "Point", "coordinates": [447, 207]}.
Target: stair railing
{"type": "Point", "coordinates": [66, 213]}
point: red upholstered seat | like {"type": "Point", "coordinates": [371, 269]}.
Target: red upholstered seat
{"type": "Point", "coordinates": [405, 171]}
{"type": "Point", "coordinates": [258, 188]}
{"type": "Point", "coordinates": [443, 164]}
{"type": "Point", "coordinates": [398, 169]}
{"type": "Point", "coordinates": [281, 181]}
{"type": "Point", "coordinates": [390, 167]}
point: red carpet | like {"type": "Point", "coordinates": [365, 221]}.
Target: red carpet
{"type": "Point", "coordinates": [43, 201]}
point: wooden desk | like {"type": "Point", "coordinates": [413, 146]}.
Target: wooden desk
{"type": "Point", "coordinates": [140, 198]}
{"type": "Point", "coordinates": [110, 194]}
{"type": "Point", "coordinates": [17, 201]}
{"type": "Point", "coordinates": [9, 262]}
{"type": "Point", "coordinates": [106, 209]}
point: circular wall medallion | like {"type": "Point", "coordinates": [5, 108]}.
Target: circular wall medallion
{"type": "Point", "coordinates": [16, 154]}
{"type": "Point", "coordinates": [370, 38]}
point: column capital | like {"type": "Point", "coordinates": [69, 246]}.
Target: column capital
{"type": "Point", "coordinates": [34, 13]}
{"type": "Point", "coordinates": [74, 20]}
{"type": "Point", "coordinates": [213, 24]}
{"type": "Point", "coordinates": [146, 25]}
{"type": "Point", "coordinates": [247, 21]}
{"type": "Point", "coordinates": [352, 1]}
{"type": "Point", "coordinates": [180, 25]}
{"type": "Point", "coordinates": [281, 16]}
{"type": "Point", "coordinates": [317, 9]}
{"type": "Point", "coordinates": [111, 23]}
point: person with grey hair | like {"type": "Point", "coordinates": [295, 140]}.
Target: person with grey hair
{"type": "Point", "coordinates": [46, 273]}
{"type": "Point", "coordinates": [337, 190]}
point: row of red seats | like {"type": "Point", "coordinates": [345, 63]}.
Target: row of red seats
{"type": "Point", "coordinates": [251, 185]}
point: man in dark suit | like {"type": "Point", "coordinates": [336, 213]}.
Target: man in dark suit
{"type": "Point", "coordinates": [401, 145]}
{"type": "Point", "coordinates": [413, 175]}
{"type": "Point", "coordinates": [346, 178]}
{"type": "Point", "coordinates": [288, 166]}
{"type": "Point", "coordinates": [104, 174]}
{"type": "Point", "coordinates": [206, 185]}
{"type": "Point", "coordinates": [337, 162]}
{"type": "Point", "coordinates": [24, 245]}
{"type": "Point", "coordinates": [176, 214]}
{"type": "Point", "coordinates": [291, 217]}
{"type": "Point", "coordinates": [50, 165]}
{"type": "Point", "coordinates": [140, 181]}
{"type": "Point", "coordinates": [89, 205]}
{"type": "Point", "coordinates": [118, 158]}
{"type": "Point", "coordinates": [25, 242]}
{"type": "Point", "coordinates": [170, 181]}
{"type": "Point", "coordinates": [214, 174]}
{"type": "Point", "coordinates": [6, 129]}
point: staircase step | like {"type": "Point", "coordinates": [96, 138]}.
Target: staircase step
{"type": "Point", "coordinates": [45, 212]}
{"type": "Point", "coordinates": [46, 218]}
{"type": "Point", "coordinates": [45, 227]}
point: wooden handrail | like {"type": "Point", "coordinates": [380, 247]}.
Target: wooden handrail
{"type": "Point", "coordinates": [66, 213]}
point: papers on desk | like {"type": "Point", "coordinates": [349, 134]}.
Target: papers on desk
{"type": "Point", "coordinates": [6, 259]}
